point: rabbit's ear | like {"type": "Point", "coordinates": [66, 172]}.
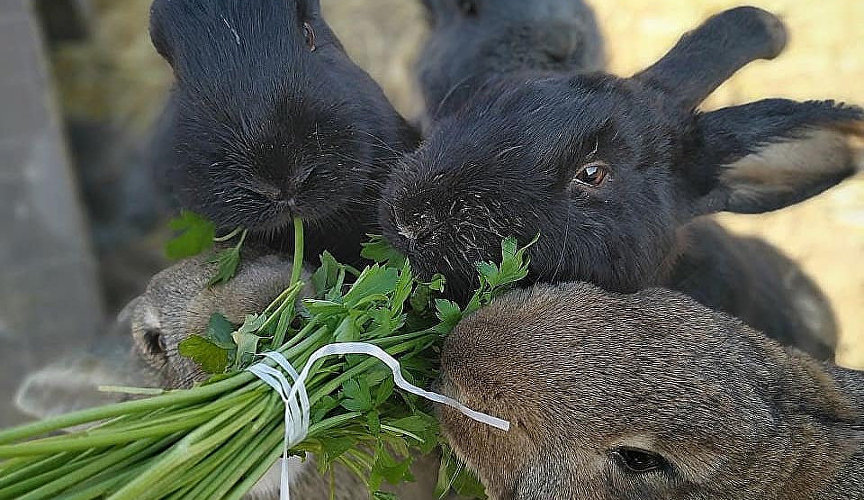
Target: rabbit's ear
{"type": "Point", "coordinates": [710, 54]}
{"type": "Point", "coordinates": [770, 154]}
{"type": "Point", "coordinates": [311, 8]}
{"type": "Point", "coordinates": [72, 383]}
{"type": "Point", "coordinates": [159, 32]}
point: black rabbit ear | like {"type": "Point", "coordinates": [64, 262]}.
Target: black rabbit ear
{"type": "Point", "coordinates": [770, 154]}
{"type": "Point", "coordinates": [710, 54]}
{"type": "Point", "coordinates": [310, 8]}
{"type": "Point", "coordinates": [159, 32]}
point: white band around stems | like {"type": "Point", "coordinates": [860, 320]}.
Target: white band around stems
{"type": "Point", "coordinates": [296, 399]}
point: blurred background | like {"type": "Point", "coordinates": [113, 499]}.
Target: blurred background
{"type": "Point", "coordinates": [81, 88]}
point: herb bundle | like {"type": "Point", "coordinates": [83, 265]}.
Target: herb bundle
{"type": "Point", "coordinates": [218, 439]}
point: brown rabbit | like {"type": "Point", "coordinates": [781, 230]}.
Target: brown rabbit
{"type": "Point", "coordinates": [647, 396]}
{"type": "Point", "coordinates": [177, 303]}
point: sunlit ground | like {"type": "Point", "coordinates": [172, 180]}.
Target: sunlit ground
{"type": "Point", "coordinates": [120, 76]}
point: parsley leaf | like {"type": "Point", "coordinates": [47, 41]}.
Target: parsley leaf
{"type": "Point", "coordinates": [379, 250]}
{"type": "Point", "coordinates": [212, 358]}
{"type": "Point", "coordinates": [195, 236]}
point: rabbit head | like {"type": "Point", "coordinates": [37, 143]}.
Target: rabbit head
{"type": "Point", "coordinates": [178, 303]}
{"type": "Point", "coordinates": [607, 169]}
{"type": "Point", "coordinates": [471, 40]}
{"type": "Point", "coordinates": [648, 396]}
{"type": "Point", "coordinates": [273, 121]}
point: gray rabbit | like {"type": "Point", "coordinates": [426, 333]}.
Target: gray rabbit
{"type": "Point", "coordinates": [646, 396]}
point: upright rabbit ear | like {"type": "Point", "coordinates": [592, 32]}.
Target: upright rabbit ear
{"type": "Point", "coordinates": [311, 8]}
{"type": "Point", "coordinates": [710, 54]}
{"type": "Point", "coordinates": [770, 154]}
{"type": "Point", "coordinates": [159, 32]}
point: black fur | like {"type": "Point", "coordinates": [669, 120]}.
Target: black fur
{"type": "Point", "coordinates": [268, 127]}
{"type": "Point", "coordinates": [507, 164]}
{"type": "Point", "coordinates": [473, 39]}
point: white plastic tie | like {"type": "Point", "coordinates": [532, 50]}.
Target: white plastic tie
{"type": "Point", "coordinates": [293, 394]}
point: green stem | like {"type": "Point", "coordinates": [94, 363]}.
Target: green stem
{"type": "Point", "coordinates": [298, 251]}
{"type": "Point", "coordinates": [261, 468]}
{"type": "Point", "coordinates": [242, 239]}
{"type": "Point", "coordinates": [100, 489]}
{"type": "Point", "coordinates": [202, 440]}
{"type": "Point", "coordinates": [178, 398]}
{"type": "Point", "coordinates": [64, 443]}
{"type": "Point", "coordinates": [33, 468]}
{"type": "Point", "coordinates": [73, 474]}
{"type": "Point", "coordinates": [292, 292]}
{"type": "Point", "coordinates": [222, 239]}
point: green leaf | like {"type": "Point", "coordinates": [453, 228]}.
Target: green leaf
{"type": "Point", "coordinates": [247, 343]}
{"type": "Point", "coordinates": [488, 271]}
{"type": "Point", "coordinates": [404, 287]}
{"type": "Point", "coordinates": [357, 396]}
{"type": "Point", "coordinates": [326, 277]}
{"type": "Point", "coordinates": [415, 424]}
{"type": "Point", "coordinates": [453, 475]}
{"type": "Point", "coordinates": [373, 421]}
{"type": "Point", "coordinates": [384, 495]}
{"type": "Point", "coordinates": [219, 331]}
{"type": "Point", "coordinates": [323, 308]}
{"type": "Point", "coordinates": [508, 248]}
{"type": "Point", "coordinates": [437, 283]}
{"type": "Point", "coordinates": [373, 281]}
{"type": "Point", "coordinates": [252, 323]}
{"type": "Point", "coordinates": [448, 312]}
{"type": "Point", "coordinates": [212, 358]}
{"type": "Point", "coordinates": [228, 260]}
{"type": "Point", "coordinates": [323, 407]}
{"type": "Point", "coordinates": [388, 468]}
{"type": "Point", "coordinates": [195, 236]}
{"type": "Point", "coordinates": [385, 390]}
{"type": "Point", "coordinates": [333, 448]}
{"type": "Point", "coordinates": [347, 331]}
{"type": "Point", "coordinates": [380, 251]}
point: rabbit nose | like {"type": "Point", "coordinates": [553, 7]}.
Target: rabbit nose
{"type": "Point", "coordinates": [267, 190]}
{"type": "Point", "coordinates": [415, 229]}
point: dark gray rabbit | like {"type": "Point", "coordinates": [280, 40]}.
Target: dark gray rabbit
{"type": "Point", "coordinates": [650, 396]}
{"type": "Point", "coordinates": [473, 39]}
{"type": "Point", "coordinates": [270, 119]}
{"type": "Point", "coordinates": [613, 171]}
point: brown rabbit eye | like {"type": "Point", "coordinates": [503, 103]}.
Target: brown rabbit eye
{"type": "Point", "coordinates": [310, 36]}
{"type": "Point", "coordinates": [592, 174]}
{"type": "Point", "coordinates": [637, 461]}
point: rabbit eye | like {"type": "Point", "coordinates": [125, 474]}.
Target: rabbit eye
{"type": "Point", "coordinates": [592, 174]}
{"type": "Point", "coordinates": [310, 36]}
{"type": "Point", "coordinates": [153, 342]}
{"type": "Point", "coordinates": [468, 7]}
{"type": "Point", "coordinates": [637, 461]}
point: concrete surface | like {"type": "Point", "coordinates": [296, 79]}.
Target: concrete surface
{"type": "Point", "coordinates": [49, 295]}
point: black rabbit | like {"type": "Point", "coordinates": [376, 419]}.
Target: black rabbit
{"type": "Point", "coordinates": [473, 39]}
{"type": "Point", "coordinates": [270, 119]}
{"type": "Point", "coordinates": [611, 173]}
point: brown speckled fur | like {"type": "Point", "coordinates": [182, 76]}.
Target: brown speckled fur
{"type": "Point", "coordinates": [579, 371]}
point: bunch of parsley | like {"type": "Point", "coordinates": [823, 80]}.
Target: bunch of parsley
{"type": "Point", "coordinates": [218, 439]}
